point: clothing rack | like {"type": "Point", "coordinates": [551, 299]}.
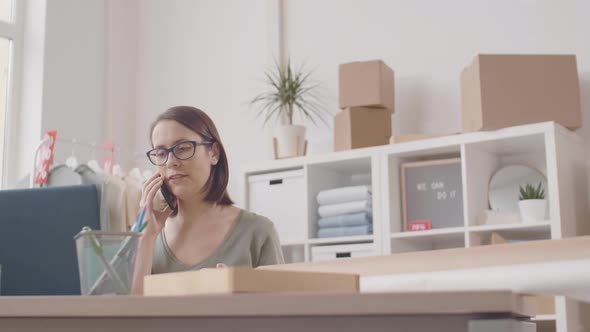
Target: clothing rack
{"type": "Point", "coordinates": [74, 143]}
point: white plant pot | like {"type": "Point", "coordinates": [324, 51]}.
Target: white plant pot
{"type": "Point", "coordinates": [289, 141]}
{"type": "Point", "coordinates": [533, 210]}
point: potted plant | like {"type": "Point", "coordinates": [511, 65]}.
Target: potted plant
{"type": "Point", "coordinates": [290, 91]}
{"type": "Point", "coordinates": [532, 204]}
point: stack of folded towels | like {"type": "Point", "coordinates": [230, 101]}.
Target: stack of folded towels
{"type": "Point", "coordinates": [345, 211]}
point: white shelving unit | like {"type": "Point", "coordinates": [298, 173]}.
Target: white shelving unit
{"type": "Point", "coordinates": [550, 148]}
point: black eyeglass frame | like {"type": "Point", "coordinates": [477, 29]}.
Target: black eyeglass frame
{"type": "Point", "coordinates": [171, 149]}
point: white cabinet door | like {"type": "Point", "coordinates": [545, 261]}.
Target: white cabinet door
{"type": "Point", "coordinates": [280, 196]}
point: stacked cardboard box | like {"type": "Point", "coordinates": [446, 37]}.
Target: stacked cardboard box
{"type": "Point", "coordinates": [502, 90]}
{"type": "Point", "coordinates": [367, 102]}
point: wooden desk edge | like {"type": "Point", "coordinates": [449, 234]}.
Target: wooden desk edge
{"type": "Point", "coordinates": [265, 305]}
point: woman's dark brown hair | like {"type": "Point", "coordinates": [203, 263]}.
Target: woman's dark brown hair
{"type": "Point", "coordinates": [199, 122]}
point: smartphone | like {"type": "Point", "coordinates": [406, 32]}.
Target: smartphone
{"type": "Point", "coordinates": [168, 196]}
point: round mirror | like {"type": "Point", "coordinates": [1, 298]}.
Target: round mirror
{"type": "Point", "coordinates": [505, 186]}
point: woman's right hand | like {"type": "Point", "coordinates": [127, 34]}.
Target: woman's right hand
{"type": "Point", "coordinates": [156, 218]}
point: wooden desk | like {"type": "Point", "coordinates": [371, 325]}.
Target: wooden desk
{"type": "Point", "coordinates": [549, 267]}
{"type": "Point", "coordinates": [441, 312]}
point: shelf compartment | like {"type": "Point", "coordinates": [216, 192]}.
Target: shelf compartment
{"type": "Point", "coordinates": [483, 159]}
{"type": "Point", "coordinates": [335, 174]}
{"type": "Point", "coordinates": [482, 235]}
{"type": "Point", "coordinates": [433, 239]}
{"type": "Point", "coordinates": [392, 188]}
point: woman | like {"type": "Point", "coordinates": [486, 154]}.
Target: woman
{"type": "Point", "coordinates": [205, 229]}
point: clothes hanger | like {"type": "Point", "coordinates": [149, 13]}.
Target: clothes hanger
{"type": "Point", "coordinates": [92, 163]}
{"type": "Point", "coordinates": [72, 161]}
{"type": "Point", "coordinates": [118, 171]}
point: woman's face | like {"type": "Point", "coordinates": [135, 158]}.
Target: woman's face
{"type": "Point", "coordinates": [185, 178]}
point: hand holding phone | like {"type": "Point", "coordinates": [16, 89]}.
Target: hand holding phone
{"type": "Point", "coordinates": [168, 197]}
{"type": "Point", "coordinates": [153, 201]}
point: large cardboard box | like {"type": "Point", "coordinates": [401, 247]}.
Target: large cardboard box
{"type": "Point", "coordinates": [366, 84]}
{"type": "Point", "coordinates": [500, 91]}
{"type": "Point", "coordinates": [360, 127]}
{"type": "Point", "coordinates": [247, 280]}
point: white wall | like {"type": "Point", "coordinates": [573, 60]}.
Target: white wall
{"type": "Point", "coordinates": [112, 66]}
{"type": "Point", "coordinates": [121, 58]}
{"type": "Point", "coordinates": [63, 80]}
{"type": "Point", "coordinates": [428, 43]}
{"type": "Point", "coordinates": [74, 73]}
{"type": "Point", "coordinates": [211, 54]}
{"type": "Point", "coordinates": [64, 71]}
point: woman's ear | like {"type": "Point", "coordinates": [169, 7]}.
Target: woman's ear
{"type": "Point", "coordinates": [214, 153]}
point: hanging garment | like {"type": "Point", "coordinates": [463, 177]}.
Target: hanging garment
{"type": "Point", "coordinates": [116, 202]}
{"type": "Point", "coordinates": [133, 188]}
{"type": "Point", "coordinates": [89, 176]}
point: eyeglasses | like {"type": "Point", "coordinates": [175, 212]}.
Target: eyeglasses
{"type": "Point", "coordinates": [181, 150]}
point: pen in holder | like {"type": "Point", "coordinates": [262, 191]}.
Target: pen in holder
{"type": "Point", "coordinates": [106, 261]}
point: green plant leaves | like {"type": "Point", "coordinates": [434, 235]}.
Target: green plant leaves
{"type": "Point", "coordinates": [530, 192]}
{"type": "Point", "coordinates": [290, 91]}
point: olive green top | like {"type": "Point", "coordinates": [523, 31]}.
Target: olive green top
{"type": "Point", "coordinates": [252, 241]}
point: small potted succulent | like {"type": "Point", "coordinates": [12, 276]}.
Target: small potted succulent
{"type": "Point", "coordinates": [290, 91]}
{"type": "Point", "coordinates": [532, 204]}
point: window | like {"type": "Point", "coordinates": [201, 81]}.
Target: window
{"type": "Point", "coordinates": [4, 63]}
{"type": "Point", "coordinates": [9, 34]}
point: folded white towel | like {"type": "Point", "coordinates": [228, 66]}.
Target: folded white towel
{"type": "Point", "coordinates": [344, 195]}
{"type": "Point", "coordinates": [345, 231]}
{"type": "Point", "coordinates": [351, 219]}
{"type": "Point", "coordinates": [344, 208]}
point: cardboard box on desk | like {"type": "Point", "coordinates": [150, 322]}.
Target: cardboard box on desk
{"type": "Point", "coordinates": [247, 280]}
{"type": "Point", "coordinates": [360, 127]}
{"type": "Point", "coordinates": [500, 91]}
{"type": "Point", "coordinates": [366, 84]}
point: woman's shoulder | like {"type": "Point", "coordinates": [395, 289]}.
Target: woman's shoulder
{"type": "Point", "coordinates": [258, 223]}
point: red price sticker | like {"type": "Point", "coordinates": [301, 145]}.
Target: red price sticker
{"type": "Point", "coordinates": [419, 225]}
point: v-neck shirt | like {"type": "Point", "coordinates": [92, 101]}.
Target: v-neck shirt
{"type": "Point", "coordinates": [252, 241]}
